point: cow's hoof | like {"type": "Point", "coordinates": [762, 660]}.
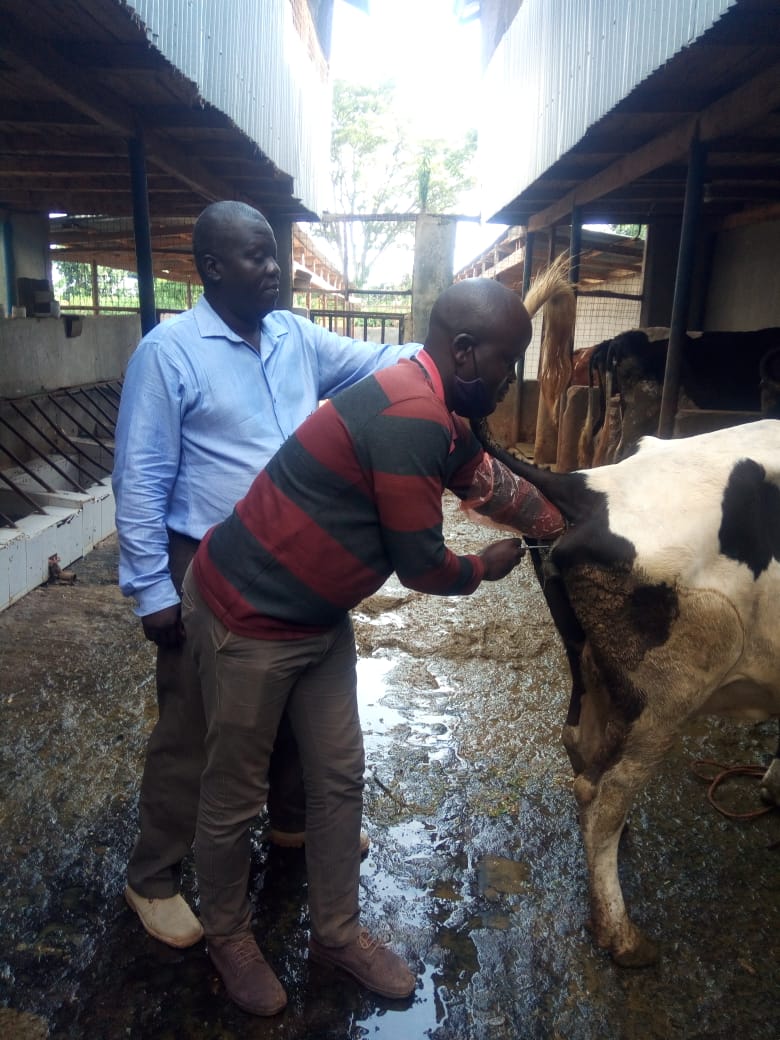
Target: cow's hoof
{"type": "Point", "coordinates": [770, 784]}
{"type": "Point", "coordinates": [642, 955]}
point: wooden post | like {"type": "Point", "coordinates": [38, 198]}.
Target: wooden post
{"type": "Point", "coordinates": [142, 232]}
{"type": "Point", "coordinates": [95, 287]}
{"type": "Point", "coordinates": [682, 286]}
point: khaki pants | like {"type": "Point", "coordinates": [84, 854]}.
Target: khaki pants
{"type": "Point", "coordinates": [175, 758]}
{"type": "Point", "coordinates": [247, 685]}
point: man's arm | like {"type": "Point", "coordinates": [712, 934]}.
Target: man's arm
{"type": "Point", "coordinates": [343, 361]}
{"type": "Point", "coordinates": [408, 485]}
{"type": "Point", "coordinates": [510, 501]}
{"type": "Point", "coordinates": [148, 438]}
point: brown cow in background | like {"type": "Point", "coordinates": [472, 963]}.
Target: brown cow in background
{"type": "Point", "coordinates": [721, 371]}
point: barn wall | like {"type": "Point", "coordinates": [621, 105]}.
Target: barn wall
{"type": "Point", "coordinates": [37, 355]}
{"type": "Point", "coordinates": [744, 290]}
{"type": "Point", "coordinates": [24, 253]}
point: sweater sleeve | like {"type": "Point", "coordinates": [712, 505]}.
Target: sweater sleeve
{"type": "Point", "coordinates": [409, 475]}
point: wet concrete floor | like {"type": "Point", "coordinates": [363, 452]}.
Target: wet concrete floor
{"type": "Point", "coordinates": [476, 867]}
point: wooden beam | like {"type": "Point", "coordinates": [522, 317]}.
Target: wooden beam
{"type": "Point", "coordinates": [109, 204]}
{"type": "Point", "coordinates": [730, 114]}
{"type": "Point", "coordinates": [56, 113]}
{"type": "Point", "coordinates": [755, 215]}
{"type": "Point", "coordinates": [94, 184]}
{"type": "Point", "coordinates": [332, 218]}
{"type": "Point", "coordinates": [116, 57]}
{"type": "Point", "coordinates": [62, 142]}
{"type": "Point", "coordinates": [44, 65]}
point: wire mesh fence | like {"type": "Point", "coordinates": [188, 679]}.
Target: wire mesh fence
{"type": "Point", "coordinates": [601, 314]}
{"type": "Point", "coordinates": [93, 289]}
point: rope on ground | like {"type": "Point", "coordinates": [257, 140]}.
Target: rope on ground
{"type": "Point", "coordinates": [723, 773]}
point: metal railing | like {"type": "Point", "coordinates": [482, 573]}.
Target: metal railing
{"type": "Point", "coordinates": [372, 325]}
{"type": "Point", "coordinates": [57, 429]}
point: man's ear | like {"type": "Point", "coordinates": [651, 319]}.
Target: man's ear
{"type": "Point", "coordinates": [212, 268]}
{"type": "Point", "coordinates": [461, 347]}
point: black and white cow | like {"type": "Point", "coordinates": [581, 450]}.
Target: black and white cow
{"type": "Point", "coordinates": [665, 590]}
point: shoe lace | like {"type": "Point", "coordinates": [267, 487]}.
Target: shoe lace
{"type": "Point", "coordinates": [369, 942]}
{"type": "Point", "coordinates": [245, 952]}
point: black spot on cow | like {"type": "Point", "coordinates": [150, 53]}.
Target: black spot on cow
{"type": "Point", "coordinates": [750, 526]}
{"type": "Point", "coordinates": [592, 542]}
{"type": "Point", "coordinates": [651, 610]}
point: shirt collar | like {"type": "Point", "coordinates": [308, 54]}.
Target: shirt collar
{"type": "Point", "coordinates": [427, 363]}
{"type": "Point", "coordinates": [210, 324]}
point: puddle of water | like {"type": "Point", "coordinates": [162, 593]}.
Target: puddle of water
{"type": "Point", "coordinates": [377, 718]}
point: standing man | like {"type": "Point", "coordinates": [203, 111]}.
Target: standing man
{"type": "Point", "coordinates": [209, 396]}
{"type": "Point", "coordinates": [352, 496]}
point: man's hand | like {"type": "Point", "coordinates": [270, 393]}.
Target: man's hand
{"type": "Point", "coordinates": [502, 557]}
{"type": "Point", "coordinates": [164, 627]}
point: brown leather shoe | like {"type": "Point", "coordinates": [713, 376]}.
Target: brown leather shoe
{"type": "Point", "coordinates": [297, 839]}
{"type": "Point", "coordinates": [248, 977]}
{"type": "Point", "coordinates": [368, 960]}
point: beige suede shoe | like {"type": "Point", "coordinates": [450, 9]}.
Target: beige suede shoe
{"type": "Point", "coordinates": [169, 920]}
{"type": "Point", "coordinates": [297, 839]}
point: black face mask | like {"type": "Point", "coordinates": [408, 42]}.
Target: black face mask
{"type": "Point", "coordinates": [472, 397]}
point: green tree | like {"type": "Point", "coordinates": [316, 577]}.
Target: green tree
{"type": "Point", "coordinates": [377, 167]}
{"type": "Point", "coordinates": [629, 230]}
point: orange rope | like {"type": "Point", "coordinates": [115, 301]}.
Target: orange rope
{"type": "Point", "coordinates": [722, 773]}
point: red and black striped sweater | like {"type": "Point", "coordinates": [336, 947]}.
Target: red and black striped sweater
{"type": "Point", "coordinates": [353, 495]}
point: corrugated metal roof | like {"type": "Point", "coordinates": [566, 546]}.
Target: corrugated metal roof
{"type": "Point", "coordinates": [565, 64]}
{"type": "Point", "coordinates": [249, 62]}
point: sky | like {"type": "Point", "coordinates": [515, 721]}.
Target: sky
{"type": "Point", "coordinates": [434, 60]}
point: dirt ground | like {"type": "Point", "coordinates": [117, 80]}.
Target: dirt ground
{"type": "Point", "coordinates": [476, 868]}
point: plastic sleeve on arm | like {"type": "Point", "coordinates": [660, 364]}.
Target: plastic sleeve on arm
{"type": "Point", "coordinates": [511, 501]}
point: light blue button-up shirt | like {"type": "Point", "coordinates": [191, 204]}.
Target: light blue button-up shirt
{"type": "Point", "coordinates": [201, 414]}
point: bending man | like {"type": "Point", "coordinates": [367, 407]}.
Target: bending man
{"type": "Point", "coordinates": [352, 496]}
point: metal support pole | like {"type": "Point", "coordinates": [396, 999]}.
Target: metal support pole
{"type": "Point", "coordinates": [142, 232]}
{"type": "Point", "coordinates": [528, 268]}
{"type": "Point", "coordinates": [282, 229]}
{"type": "Point", "coordinates": [697, 157]}
{"type": "Point", "coordinates": [93, 270]}
{"type": "Point", "coordinates": [528, 262]}
{"type": "Point", "coordinates": [575, 244]}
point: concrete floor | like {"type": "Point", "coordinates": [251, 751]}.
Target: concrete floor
{"type": "Point", "coordinates": [476, 868]}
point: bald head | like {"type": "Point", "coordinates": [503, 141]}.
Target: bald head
{"type": "Point", "coordinates": [477, 333]}
{"type": "Point", "coordinates": [481, 307]}
{"type": "Point", "coordinates": [217, 227]}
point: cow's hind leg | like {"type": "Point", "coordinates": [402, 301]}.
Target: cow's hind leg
{"type": "Point", "coordinates": [604, 806]}
{"type": "Point", "coordinates": [770, 783]}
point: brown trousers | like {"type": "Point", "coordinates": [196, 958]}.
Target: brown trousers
{"type": "Point", "coordinates": [247, 685]}
{"type": "Point", "coordinates": [175, 758]}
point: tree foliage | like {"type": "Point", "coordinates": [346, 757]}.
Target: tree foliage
{"type": "Point", "coordinates": [629, 230]}
{"type": "Point", "coordinates": [72, 284]}
{"type": "Point", "coordinates": [378, 167]}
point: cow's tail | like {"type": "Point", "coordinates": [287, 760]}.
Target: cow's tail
{"type": "Point", "coordinates": [552, 290]}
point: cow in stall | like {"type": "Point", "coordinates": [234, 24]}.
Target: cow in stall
{"type": "Point", "coordinates": [718, 370]}
{"type": "Point", "coordinates": [664, 589]}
